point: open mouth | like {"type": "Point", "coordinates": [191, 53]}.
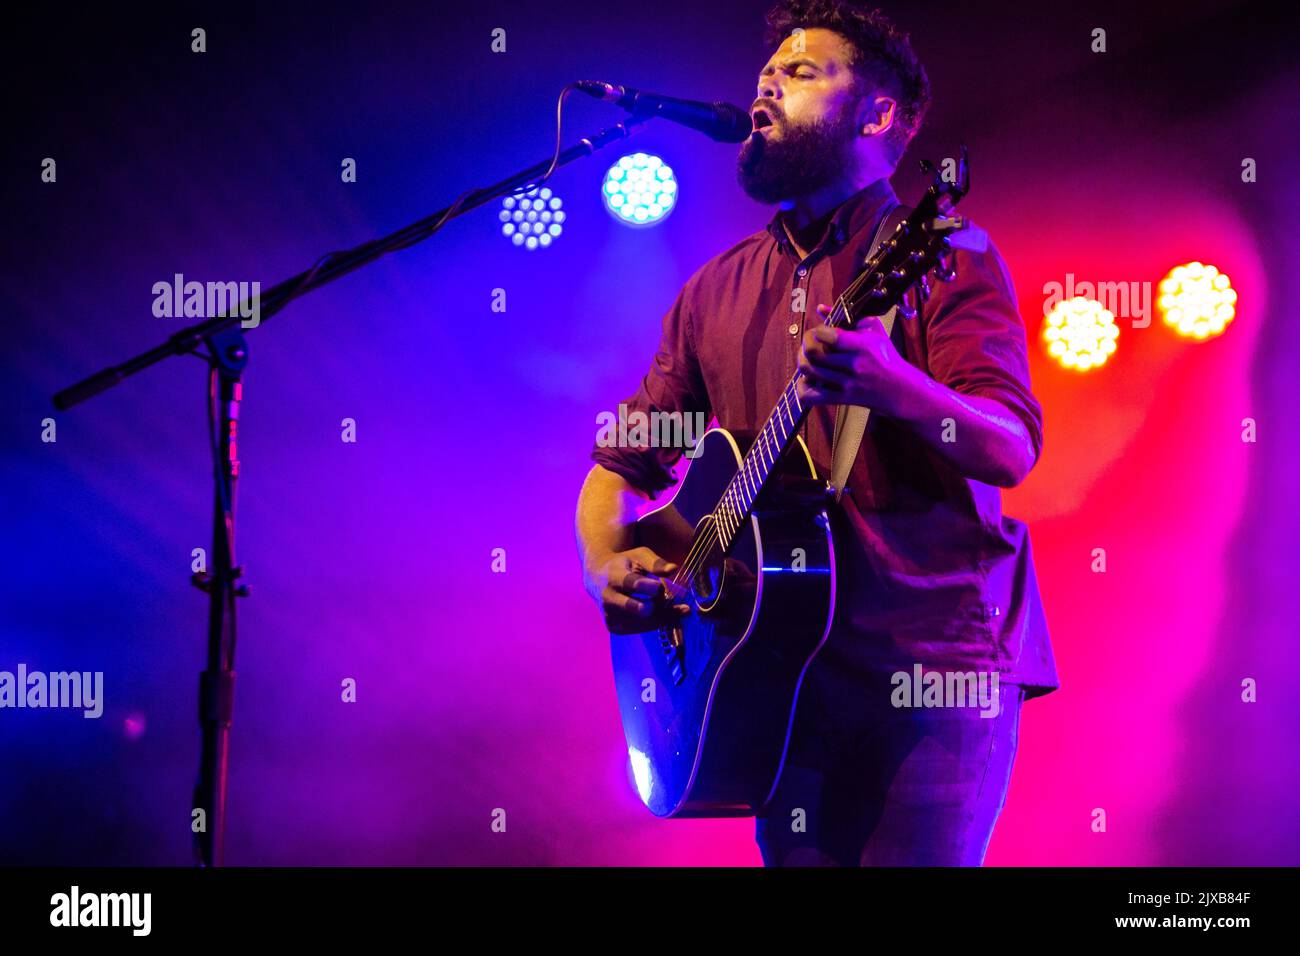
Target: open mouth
{"type": "Point", "coordinates": [762, 120]}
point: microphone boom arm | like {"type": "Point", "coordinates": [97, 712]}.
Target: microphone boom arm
{"type": "Point", "coordinates": [338, 265]}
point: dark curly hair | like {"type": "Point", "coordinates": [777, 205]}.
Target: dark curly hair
{"type": "Point", "coordinates": [882, 56]}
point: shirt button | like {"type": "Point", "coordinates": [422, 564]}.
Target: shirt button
{"type": "Point", "coordinates": [803, 270]}
{"type": "Point", "coordinates": [794, 329]}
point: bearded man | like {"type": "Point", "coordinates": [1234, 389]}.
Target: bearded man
{"type": "Point", "coordinates": [931, 575]}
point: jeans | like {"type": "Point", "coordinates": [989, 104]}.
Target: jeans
{"type": "Point", "coordinates": [869, 784]}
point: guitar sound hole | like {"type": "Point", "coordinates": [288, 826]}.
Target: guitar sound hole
{"type": "Point", "coordinates": [706, 583]}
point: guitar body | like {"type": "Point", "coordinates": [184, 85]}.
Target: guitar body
{"type": "Point", "coordinates": [707, 707]}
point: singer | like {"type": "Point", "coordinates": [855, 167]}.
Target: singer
{"type": "Point", "coordinates": [930, 574]}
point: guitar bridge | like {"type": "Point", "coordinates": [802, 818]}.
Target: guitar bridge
{"type": "Point", "coordinates": [674, 647]}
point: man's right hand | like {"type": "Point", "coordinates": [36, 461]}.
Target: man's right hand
{"type": "Point", "coordinates": [631, 589]}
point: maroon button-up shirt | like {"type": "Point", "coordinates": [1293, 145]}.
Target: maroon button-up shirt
{"type": "Point", "coordinates": [929, 571]}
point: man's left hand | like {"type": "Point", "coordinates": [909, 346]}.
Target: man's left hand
{"type": "Point", "coordinates": [857, 367]}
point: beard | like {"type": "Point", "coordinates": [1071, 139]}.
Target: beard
{"type": "Point", "coordinates": [806, 158]}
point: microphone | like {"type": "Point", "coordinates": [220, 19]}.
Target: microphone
{"type": "Point", "coordinates": [719, 121]}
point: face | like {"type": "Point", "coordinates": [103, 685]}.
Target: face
{"type": "Point", "coordinates": [805, 122]}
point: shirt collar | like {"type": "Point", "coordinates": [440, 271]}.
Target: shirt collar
{"type": "Point", "coordinates": [859, 211]}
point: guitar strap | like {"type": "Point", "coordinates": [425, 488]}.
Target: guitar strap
{"type": "Point", "coordinates": [851, 422]}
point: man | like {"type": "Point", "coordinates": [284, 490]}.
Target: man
{"type": "Point", "coordinates": [931, 576]}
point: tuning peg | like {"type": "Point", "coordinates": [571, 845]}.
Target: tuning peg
{"type": "Point", "coordinates": [923, 288]}
{"type": "Point", "coordinates": [945, 269]}
{"type": "Point", "coordinates": [905, 311]}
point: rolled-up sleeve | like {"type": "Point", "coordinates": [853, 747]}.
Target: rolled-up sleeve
{"type": "Point", "coordinates": [975, 338]}
{"type": "Point", "coordinates": [672, 384]}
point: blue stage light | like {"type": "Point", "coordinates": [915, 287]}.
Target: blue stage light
{"type": "Point", "coordinates": [533, 220]}
{"type": "Point", "coordinates": [640, 190]}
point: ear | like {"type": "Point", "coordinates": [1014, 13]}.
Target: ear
{"type": "Point", "coordinates": [876, 114]}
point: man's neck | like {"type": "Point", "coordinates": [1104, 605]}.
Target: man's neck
{"type": "Point", "coordinates": [804, 210]}
{"type": "Point", "coordinates": [801, 212]}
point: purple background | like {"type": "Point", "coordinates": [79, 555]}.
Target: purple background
{"type": "Point", "coordinates": [372, 560]}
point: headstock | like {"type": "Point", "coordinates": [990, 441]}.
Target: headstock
{"type": "Point", "coordinates": [919, 245]}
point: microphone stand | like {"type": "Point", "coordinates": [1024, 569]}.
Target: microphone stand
{"type": "Point", "coordinates": [227, 355]}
